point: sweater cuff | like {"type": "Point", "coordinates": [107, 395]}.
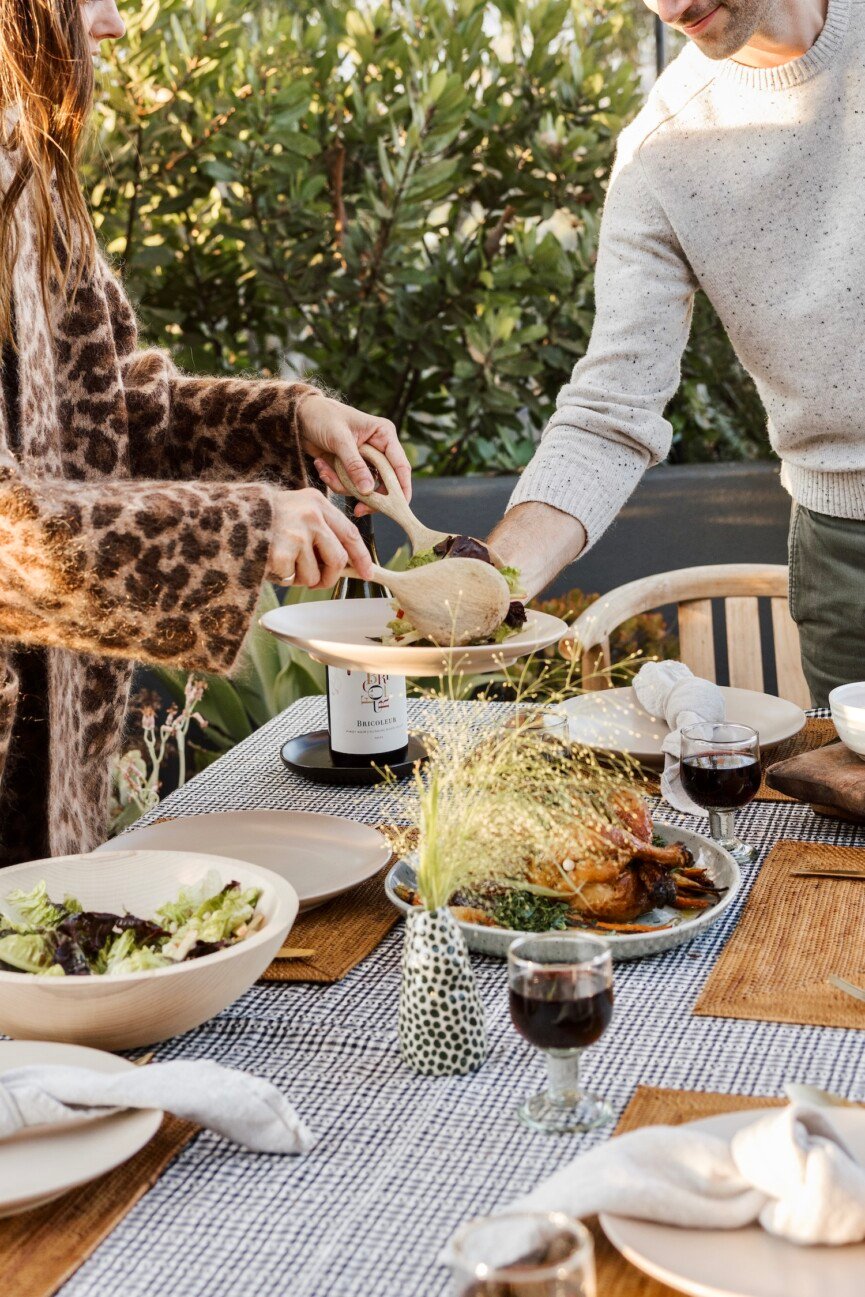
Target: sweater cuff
{"type": "Point", "coordinates": [587, 476]}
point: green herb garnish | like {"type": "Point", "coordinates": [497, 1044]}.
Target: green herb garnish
{"type": "Point", "coordinates": [524, 911]}
{"type": "Point", "coordinates": [421, 559]}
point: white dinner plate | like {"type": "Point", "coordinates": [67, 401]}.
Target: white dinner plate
{"type": "Point", "coordinates": [344, 633]}
{"type": "Point", "coordinates": [718, 864]}
{"type": "Point", "coordinates": [745, 1262]}
{"type": "Point", "coordinates": [37, 1167]}
{"type": "Point", "coordinates": [612, 719]}
{"type": "Point", "coordinates": [322, 856]}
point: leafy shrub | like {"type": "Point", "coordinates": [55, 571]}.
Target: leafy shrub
{"type": "Point", "coordinates": [402, 197]}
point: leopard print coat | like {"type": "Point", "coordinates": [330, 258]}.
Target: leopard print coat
{"type": "Point", "coordinates": [135, 523]}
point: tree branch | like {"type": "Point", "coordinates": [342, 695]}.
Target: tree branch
{"type": "Point", "coordinates": [335, 160]}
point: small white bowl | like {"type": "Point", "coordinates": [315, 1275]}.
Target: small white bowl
{"type": "Point", "coordinates": [847, 704]}
{"type": "Point", "coordinates": [131, 1009]}
{"type": "Point", "coordinates": [849, 700]}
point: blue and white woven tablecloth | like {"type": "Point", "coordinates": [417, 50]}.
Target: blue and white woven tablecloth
{"type": "Point", "coordinates": [402, 1159]}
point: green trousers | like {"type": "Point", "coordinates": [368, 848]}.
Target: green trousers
{"type": "Point", "coordinates": [827, 598]}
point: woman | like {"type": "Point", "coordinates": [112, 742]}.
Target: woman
{"type": "Point", "coordinates": [140, 509]}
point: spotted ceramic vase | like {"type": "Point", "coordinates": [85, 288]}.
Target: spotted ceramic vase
{"type": "Point", "coordinates": [441, 1019]}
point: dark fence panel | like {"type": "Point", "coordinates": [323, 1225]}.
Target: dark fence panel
{"type": "Point", "coordinates": [678, 516]}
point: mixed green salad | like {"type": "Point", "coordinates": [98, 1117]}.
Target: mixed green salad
{"type": "Point", "coordinates": [401, 631]}
{"type": "Point", "coordinates": [61, 938]}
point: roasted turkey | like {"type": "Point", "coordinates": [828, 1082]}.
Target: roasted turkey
{"type": "Point", "coordinates": [613, 872]}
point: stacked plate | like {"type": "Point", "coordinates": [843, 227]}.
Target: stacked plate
{"type": "Point", "coordinates": [322, 856]}
{"type": "Point", "coordinates": [613, 720]}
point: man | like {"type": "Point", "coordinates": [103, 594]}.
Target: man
{"type": "Point", "coordinates": [743, 175]}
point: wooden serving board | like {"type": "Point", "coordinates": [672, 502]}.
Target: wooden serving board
{"type": "Point", "coordinates": [832, 779]}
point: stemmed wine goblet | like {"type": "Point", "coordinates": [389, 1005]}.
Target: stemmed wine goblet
{"type": "Point", "coordinates": [561, 998]}
{"type": "Point", "coordinates": [721, 772]}
{"type": "Point", "coordinates": [523, 1254]}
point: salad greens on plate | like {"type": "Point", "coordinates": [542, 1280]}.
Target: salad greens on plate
{"type": "Point", "coordinates": [61, 938]}
{"type": "Point", "coordinates": [401, 631]}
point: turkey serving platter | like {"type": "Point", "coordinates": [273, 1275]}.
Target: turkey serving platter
{"type": "Point", "coordinates": [674, 926]}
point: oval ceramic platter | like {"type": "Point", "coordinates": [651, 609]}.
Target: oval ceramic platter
{"type": "Point", "coordinates": [745, 1262]}
{"type": "Point", "coordinates": [613, 720]}
{"type": "Point", "coordinates": [347, 633]}
{"type": "Point", "coordinates": [719, 865]}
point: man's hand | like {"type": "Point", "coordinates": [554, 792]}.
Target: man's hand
{"type": "Point", "coordinates": [329, 430]}
{"type": "Point", "coordinates": [538, 540]}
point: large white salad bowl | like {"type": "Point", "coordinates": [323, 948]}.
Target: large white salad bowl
{"type": "Point", "coordinates": [130, 1009]}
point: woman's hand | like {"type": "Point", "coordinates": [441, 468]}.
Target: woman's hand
{"type": "Point", "coordinates": [313, 541]}
{"type": "Point", "coordinates": [329, 429]}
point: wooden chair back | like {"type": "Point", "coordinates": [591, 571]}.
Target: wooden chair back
{"type": "Point", "coordinates": [692, 589]}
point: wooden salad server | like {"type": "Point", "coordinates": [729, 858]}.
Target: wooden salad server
{"type": "Point", "coordinates": [455, 602]}
{"type": "Point", "coordinates": [392, 504]}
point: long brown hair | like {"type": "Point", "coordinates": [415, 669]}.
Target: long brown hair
{"type": "Point", "coordinates": [46, 95]}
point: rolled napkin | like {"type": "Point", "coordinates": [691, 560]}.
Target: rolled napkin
{"type": "Point", "coordinates": [245, 1109]}
{"type": "Point", "coordinates": [671, 692]}
{"type": "Point", "coordinates": [790, 1171]}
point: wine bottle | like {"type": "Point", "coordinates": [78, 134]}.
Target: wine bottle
{"type": "Point", "coordinates": [366, 712]}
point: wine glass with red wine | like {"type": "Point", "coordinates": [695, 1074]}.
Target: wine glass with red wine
{"type": "Point", "coordinates": [721, 772]}
{"type": "Point", "coordinates": [561, 996]}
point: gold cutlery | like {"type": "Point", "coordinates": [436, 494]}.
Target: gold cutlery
{"type": "Point", "coordinates": [828, 873]}
{"type": "Point", "coordinates": [294, 952]}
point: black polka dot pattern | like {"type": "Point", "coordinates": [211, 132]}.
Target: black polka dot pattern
{"type": "Point", "coordinates": [441, 1019]}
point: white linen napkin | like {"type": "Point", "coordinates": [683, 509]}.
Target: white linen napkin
{"type": "Point", "coordinates": [246, 1109]}
{"type": "Point", "coordinates": [671, 692]}
{"type": "Point", "coordinates": [790, 1171]}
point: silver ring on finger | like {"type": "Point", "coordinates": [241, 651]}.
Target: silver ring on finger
{"type": "Point", "coordinates": [288, 580]}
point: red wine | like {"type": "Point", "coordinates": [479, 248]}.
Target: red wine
{"type": "Point", "coordinates": [556, 1022]}
{"type": "Point", "coordinates": [721, 780]}
{"type": "Point", "coordinates": [366, 713]}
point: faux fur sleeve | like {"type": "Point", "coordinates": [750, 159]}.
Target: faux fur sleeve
{"type": "Point", "coordinates": [164, 572]}
{"type": "Point", "coordinates": [210, 429]}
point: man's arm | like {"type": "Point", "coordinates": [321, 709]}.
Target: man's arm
{"type": "Point", "coordinates": [540, 541]}
{"type": "Point", "coordinates": [608, 427]}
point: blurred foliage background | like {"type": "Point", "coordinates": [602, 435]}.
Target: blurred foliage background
{"type": "Point", "coordinates": [402, 199]}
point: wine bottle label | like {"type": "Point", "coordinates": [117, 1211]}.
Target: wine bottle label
{"type": "Point", "coordinates": [367, 712]}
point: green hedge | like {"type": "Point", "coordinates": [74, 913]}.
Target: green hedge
{"type": "Point", "coordinates": [403, 199]}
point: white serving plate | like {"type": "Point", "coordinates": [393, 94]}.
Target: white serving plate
{"type": "Point", "coordinates": [343, 633]}
{"type": "Point", "coordinates": [745, 1262]}
{"type": "Point", "coordinates": [37, 1167]}
{"type": "Point", "coordinates": [322, 856]}
{"type": "Point", "coordinates": [612, 719]}
{"type": "Point", "coordinates": [131, 1009]}
{"type": "Point", "coordinates": [719, 864]}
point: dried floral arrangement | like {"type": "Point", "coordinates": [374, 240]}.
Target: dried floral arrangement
{"type": "Point", "coordinates": [494, 799]}
{"type": "Point", "coordinates": [136, 774]}
{"type": "Point", "coordinates": [514, 828]}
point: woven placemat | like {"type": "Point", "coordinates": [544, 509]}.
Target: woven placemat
{"type": "Point", "coordinates": [818, 733]}
{"type": "Point", "coordinates": [40, 1249]}
{"type": "Point", "coordinates": [652, 1107]}
{"type": "Point", "coordinates": [793, 934]}
{"type": "Point", "coordinates": [340, 934]}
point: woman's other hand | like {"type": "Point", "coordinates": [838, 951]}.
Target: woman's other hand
{"type": "Point", "coordinates": [329, 429]}
{"type": "Point", "coordinates": [313, 541]}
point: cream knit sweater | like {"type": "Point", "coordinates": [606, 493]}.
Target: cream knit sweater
{"type": "Point", "coordinates": [750, 185]}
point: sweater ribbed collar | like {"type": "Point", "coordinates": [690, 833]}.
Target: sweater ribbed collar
{"type": "Point", "coordinates": [824, 50]}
